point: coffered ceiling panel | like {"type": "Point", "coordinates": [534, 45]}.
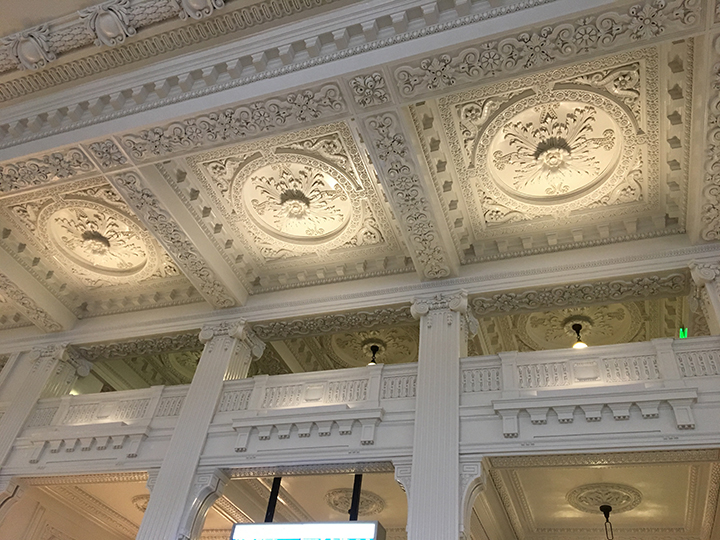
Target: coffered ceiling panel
{"type": "Point", "coordinates": [297, 209]}
{"type": "Point", "coordinates": [82, 243]}
{"type": "Point", "coordinates": [577, 156]}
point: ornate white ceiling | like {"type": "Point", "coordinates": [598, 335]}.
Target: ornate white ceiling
{"type": "Point", "coordinates": [174, 186]}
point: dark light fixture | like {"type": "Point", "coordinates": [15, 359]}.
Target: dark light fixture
{"type": "Point", "coordinates": [374, 350]}
{"type": "Point", "coordinates": [606, 509]}
{"type": "Point", "coordinates": [579, 344]}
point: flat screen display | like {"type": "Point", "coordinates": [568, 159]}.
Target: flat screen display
{"type": "Point", "coordinates": [354, 530]}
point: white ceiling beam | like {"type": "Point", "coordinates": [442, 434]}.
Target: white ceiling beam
{"type": "Point", "coordinates": [287, 356]}
{"type": "Point", "coordinates": [427, 239]}
{"type": "Point", "coordinates": [162, 212]}
{"type": "Point", "coordinates": [31, 299]}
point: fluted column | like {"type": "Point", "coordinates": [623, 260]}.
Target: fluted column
{"type": "Point", "coordinates": [31, 374]}
{"type": "Point", "coordinates": [167, 511]}
{"type": "Point", "coordinates": [434, 504]}
{"type": "Point", "coordinates": [705, 275]}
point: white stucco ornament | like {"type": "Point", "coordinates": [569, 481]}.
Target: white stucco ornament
{"type": "Point", "coordinates": [99, 239]}
{"type": "Point", "coordinates": [31, 48]}
{"type": "Point", "coordinates": [296, 202]}
{"type": "Point", "coordinates": [197, 9]}
{"type": "Point", "coordinates": [554, 150]}
{"type": "Point", "coordinates": [589, 497]}
{"type": "Point", "coordinates": [109, 21]}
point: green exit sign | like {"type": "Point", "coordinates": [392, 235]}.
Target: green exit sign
{"type": "Point", "coordinates": [683, 333]}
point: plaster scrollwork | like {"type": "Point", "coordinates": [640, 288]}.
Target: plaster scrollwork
{"type": "Point", "coordinates": [408, 195]}
{"type": "Point", "coordinates": [547, 45]}
{"type": "Point", "coordinates": [174, 239]}
{"type": "Point", "coordinates": [27, 306]}
{"type": "Point", "coordinates": [238, 330]}
{"type": "Point", "coordinates": [332, 323]}
{"type": "Point", "coordinates": [369, 89]}
{"type": "Point", "coordinates": [622, 82]}
{"type": "Point", "coordinates": [109, 21]}
{"type": "Point", "coordinates": [197, 9]}
{"type": "Point", "coordinates": [259, 118]}
{"type": "Point", "coordinates": [703, 273]}
{"type": "Point", "coordinates": [674, 284]}
{"type": "Point", "coordinates": [30, 48]}
{"type": "Point", "coordinates": [42, 170]}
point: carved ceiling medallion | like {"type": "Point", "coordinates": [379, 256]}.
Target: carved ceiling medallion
{"type": "Point", "coordinates": [96, 241]}
{"type": "Point", "coordinates": [601, 325]}
{"type": "Point", "coordinates": [555, 152]}
{"type": "Point", "coordinates": [99, 239]}
{"type": "Point", "coordinates": [589, 497]}
{"type": "Point", "coordinates": [340, 500]}
{"type": "Point", "coordinates": [296, 201]}
{"type": "Point", "coordinates": [395, 346]}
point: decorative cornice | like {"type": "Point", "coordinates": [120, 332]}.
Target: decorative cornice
{"type": "Point", "coordinates": [141, 347]}
{"type": "Point", "coordinates": [612, 458]}
{"type": "Point", "coordinates": [674, 284]}
{"type": "Point", "coordinates": [27, 306]}
{"type": "Point", "coordinates": [145, 100]}
{"type": "Point", "coordinates": [112, 21]}
{"type": "Point", "coordinates": [336, 322]}
{"type": "Point", "coordinates": [399, 174]}
{"type": "Point", "coordinates": [298, 470]}
{"type": "Point", "coordinates": [101, 478]}
{"type": "Point", "coordinates": [240, 123]}
{"type": "Point", "coordinates": [173, 238]}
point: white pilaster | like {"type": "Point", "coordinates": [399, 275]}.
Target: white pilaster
{"type": "Point", "coordinates": [32, 373]}
{"type": "Point", "coordinates": [433, 506]}
{"type": "Point", "coordinates": [705, 275]}
{"type": "Point", "coordinates": [167, 513]}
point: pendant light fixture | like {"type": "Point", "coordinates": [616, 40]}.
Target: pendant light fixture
{"type": "Point", "coordinates": [606, 509]}
{"type": "Point", "coordinates": [374, 350]}
{"type": "Point", "coordinates": [579, 344]}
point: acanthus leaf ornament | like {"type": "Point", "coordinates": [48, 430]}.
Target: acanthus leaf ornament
{"type": "Point", "coordinates": [28, 307]}
{"type": "Point", "coordinates": [109, 21]}
{"type": "Point", "coordinates": [40, 170]}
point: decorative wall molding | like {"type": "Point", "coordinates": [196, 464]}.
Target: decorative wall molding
{"type": "Point", "coordinates": [548, 45]}
{"type": "Point", "coordinates": [141, 347]}
{"type": "Point", "coordinates": [592, 404]}
{"type": "Point", "coordinates": [400, 176]}
{"type": "Point", "coordinates": [336, 322]}
{"type": "Point", "coordinates": [369, 89]}
{"type": "Point", "coordinates": [309, 420]}
{"type": "Point", "coordinates": [27, 306]}
{"type": "Point", "coordinates": [44, 169]}
{"type": "Point", "coordinates": [227, 125]}
{"type": "Point", "coordinates": [173, 238]}
{"type": "Point", "coordinates": [674, 284]}
{"type": "Point", "coordinates": [29, 49]}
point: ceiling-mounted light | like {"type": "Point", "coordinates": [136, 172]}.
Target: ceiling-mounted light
{"type": "Point", "coordinates": [606, 509]}
{"type": "Point", "coordinates": [579, 344]}
{"type": "Point", "coordinates": [374, 350]}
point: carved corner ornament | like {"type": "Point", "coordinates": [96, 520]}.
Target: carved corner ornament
{"type": "Point", "coordinates": [703, 273]}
